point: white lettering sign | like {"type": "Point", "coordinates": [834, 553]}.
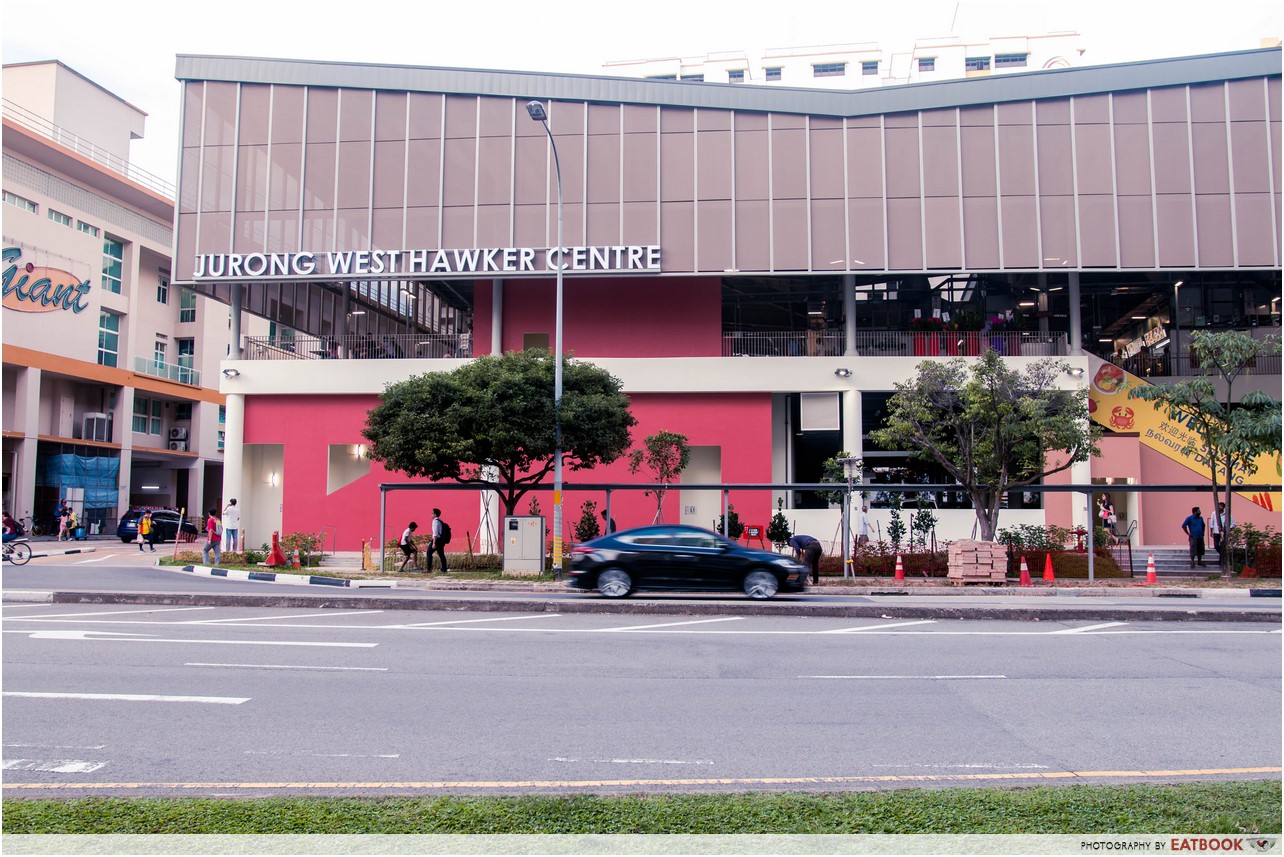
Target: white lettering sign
{"type": "Point", "coordinates": [619, 259]}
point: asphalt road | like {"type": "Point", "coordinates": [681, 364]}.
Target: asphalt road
{"type": "Point", "coordinates": [140, 700]}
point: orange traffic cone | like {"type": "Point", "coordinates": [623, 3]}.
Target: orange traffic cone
{"type": "Point", "coordinates": [1047, 571]}
{"type": "Point", "coordinates": [900, 568]}
{"type": "Point", "coordinates": [1151, 579]}
{"type": "Point", "coordinates": [1025, 574]}
{"type": "Point", "coordinates": [294, 560]}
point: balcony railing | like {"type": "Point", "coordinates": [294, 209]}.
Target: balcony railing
{"type": "Point", "coordinates": [168, 371]}
{"type": "Point", "coordinates": [32, 122]}
{"type": "Point", "coordinates": [894, 343]}
{"type": "Point", "coordinates": [358, 347]}
{"type": "Point", "coordinates": [1175, 366]}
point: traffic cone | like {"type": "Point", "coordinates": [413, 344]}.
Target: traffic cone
{"type": "Point", "coordinates": [294, 560]}
{"type": "Point", "coordinates": [1151, 579]}
{"type": "Point", "coordinates": [1047, 571]}
{"type": "Point", "coordinates": [900, 568]}
{"type": "Point", "coordinates": [1025, 574]}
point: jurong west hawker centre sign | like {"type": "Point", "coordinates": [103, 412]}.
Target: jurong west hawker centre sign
{"type": "Point", "coordinates": [617, 259]}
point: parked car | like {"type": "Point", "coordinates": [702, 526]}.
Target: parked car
{"type": "Point", "coordinates": [166, 522]}
{"type": "Point", "coordinates": [680, 557]}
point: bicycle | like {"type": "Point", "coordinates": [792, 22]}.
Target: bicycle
{"type": "Point", "coordinates": [17, 551]}
{"type": "Point", "coordinates": [29, 524]}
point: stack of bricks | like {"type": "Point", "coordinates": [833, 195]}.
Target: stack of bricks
{"type": "Point", "coordinates": [978, 562]}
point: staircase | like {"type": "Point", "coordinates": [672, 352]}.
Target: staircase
{"type": "Point", "coordinates": [1175, 562]}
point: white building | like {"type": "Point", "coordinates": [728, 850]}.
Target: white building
{"type": "Point", "coordinates": [866, 64]}
{"type": "Point", "coordinates": [109, 399]}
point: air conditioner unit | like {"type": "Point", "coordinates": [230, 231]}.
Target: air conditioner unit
{"type": "Point", "coordinates": [178, 445]}
{"type": "Point", "coordinates": [178, 434]}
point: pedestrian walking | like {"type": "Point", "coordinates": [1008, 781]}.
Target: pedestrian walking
{"type": "Point", "coordinates": [213, 538]}
{"type": "Point", "coordinates": [440, 538]}
{"type": "Point", "coordinates": [862, 526]}
{"type": "Point", "coordinates": [807, 551]}
{"type": "Point", "coordinates": [232, 526]}
{"type": "Point", "coordinates": [64, 522]}
{"type": "Point", "coordinates": [146, 532]}
{"type": "Point", "coordinates": [608, 523]}
{"type": "Point", "coordinates": [1193, 527]}
{"type": "Point", "coordinates": [407, 545]}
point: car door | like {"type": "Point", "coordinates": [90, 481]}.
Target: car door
{"type": "Point", "coordinates": [653, 562]}
{"type": "Point", "coordinates": [699, 561]}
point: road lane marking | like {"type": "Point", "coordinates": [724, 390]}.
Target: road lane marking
{"type": "Point", "coordinates": [966, 767]}
{"type": "Point", "coordinates": [670, 624]}
{"type": "Point", "coordinates": [323, 755]}
{"type": "Point", "coordinates": [130, 697]}
{"type": "Point", "coordinates": [911, 677]}
{"type": "Point", "coordinates": [95, 559]}
{"type": "Point", "coordinates": [100, 637]}
{"type": "Point", "coordinates": [76, 616]}
{"type": "Point", "coordinates": [473, 621]}
{"type": "Point", "coordinates": [290, 667]}
{"type": "Point", "coordinates": [1089, 628]}
{"type": "Point", "coordinates": [60, 766]}
{"type": "Point", "coordinates": [879, 627]}
{"type": "Point", "coordinates": [265, 618]}
{"type": "Point", "coordinates": [635, 761]}
{"type": "Point", "coordinates": [385, 786]}
{"type": "Point", "coordinates": [62, 746]}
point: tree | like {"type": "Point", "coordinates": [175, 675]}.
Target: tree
{"type": "Point", "coordinates": [990, 427]}
{"type": "Point", "coordinates": [665, 454]}
{"type": "Point", "coordinates": [497, 412]}
{"type": "Point", "coordinates": [586, 528]}
{"type": "Point", "coordinates": [1226, 437]}
{"type": "Point", "coordinates": [778, 531]}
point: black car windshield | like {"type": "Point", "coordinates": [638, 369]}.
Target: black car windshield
{"type": "Point", "coordinates": [686, 537]}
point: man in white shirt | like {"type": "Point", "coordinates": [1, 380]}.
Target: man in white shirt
{"type": "Point", "coordinates": [1219, 524]}
{"type": "Point", "coordinates": [232, 526]}
{"type": "Point", "coordinates": [407, 545]}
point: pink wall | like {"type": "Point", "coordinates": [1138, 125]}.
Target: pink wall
{"type": "Point", "coordinates": [354, 508]}
{"type": "Point", "coordinates": [620, 317]}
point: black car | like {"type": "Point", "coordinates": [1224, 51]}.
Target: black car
{"type": "Point", "coordinates": [165, 522]}
{"type": "Point", "coordinates": [680, 557]}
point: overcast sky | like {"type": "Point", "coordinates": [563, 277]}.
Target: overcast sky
{"type": "Point", "coordinates": [128, 46]}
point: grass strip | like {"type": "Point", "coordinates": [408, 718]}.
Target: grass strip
{"type": "Point", "coordinates": [1207, 807]}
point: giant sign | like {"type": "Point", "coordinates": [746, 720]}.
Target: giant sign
{"type": "Point", "coordinates": [365, 264]}
{"type": "Point", "coordinates": [30, 288]}
{"type": "Point", "coordinates": [1110, 405]}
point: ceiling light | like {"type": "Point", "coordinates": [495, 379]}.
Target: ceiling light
{"type": "Point", "coordinates": [1026, 303]}
{"type": "Point", "coordinates": [150, 487]}
{"type": "Point", "coordinates": [1139, 317]}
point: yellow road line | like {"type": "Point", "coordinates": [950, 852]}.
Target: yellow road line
{"type": "Point", "coordinates": [716, 781]}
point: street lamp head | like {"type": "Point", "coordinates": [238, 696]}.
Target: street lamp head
{"type": "Point", "coordinates": [536, 110]}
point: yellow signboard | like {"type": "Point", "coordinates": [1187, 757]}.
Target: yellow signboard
{"type": "Point", "coordinates": [1109, 405]}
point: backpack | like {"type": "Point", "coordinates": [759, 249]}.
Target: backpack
{"type": "Point", "coordinates": [445, 533]}
{"type": "Point", "coordinates": [218, 527]}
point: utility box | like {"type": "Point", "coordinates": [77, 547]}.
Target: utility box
{"type": "Point", "coordinates": [523, 539]}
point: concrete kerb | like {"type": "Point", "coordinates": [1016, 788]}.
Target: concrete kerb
{"type": "Point", "coordinates": [283, 578]}
{"type": "Point", "coordinates": [35, 554]}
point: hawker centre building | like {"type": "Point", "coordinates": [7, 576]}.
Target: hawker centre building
{"type": "Point", "coordinates": [758, 266]}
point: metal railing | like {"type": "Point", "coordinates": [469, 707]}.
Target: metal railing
{"type": "Point", "coordinates": [358, 347]}
{"type": "Point", "coordinates": [1185, 365]}
{"type": "Point", "coordinates": [21, 116]}
{"type": "Point", "coordinates": [894, 343]}
{"type": "Point", "coordinates": [168, 371]}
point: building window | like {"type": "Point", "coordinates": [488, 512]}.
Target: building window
{"type": "Point", "coordinates": [927, 63]}
{"type": "Point", "coordinates": [186, 305]}
{"type": "Point", "coordinates": [1010, 60]}
{"type": "Point", "coordinates": [59, 217]}
{"type": "Point", "coordinates": [108, 337]}
{"type": "Point", "coordinates": [976, 64]}
{"type": "Point", "coordinates": [222, 436]}
{"type": "Point", "coordinates": [158, 356]}
{"type": "Point", "coordinates": [183, 412]}
{"type": "Point", "coordinates": [113, 258]}
{"type": "Point", "coordinates": [695, 78]}
{"type": "Point", "coordinates": [222, 414]}
{"type": "Point", "coordinates": [147, 416]}
{"type": "Point", "coordinates": [772, 72]}
{"type": "Point", "coordinates": [661, 77]}
{"type": "Point", "coordinates": [162, 288]}
{"type": "Point", "coordinates": [831, 69]}
{"type": "Point", "coordinates": [736, 75]}
{"type": "Point", "coordinates": [869, 67]}
{"type": "Point", "coordinates": [21, 202]}
{"type": "Point", "coordinates": [82, 226]}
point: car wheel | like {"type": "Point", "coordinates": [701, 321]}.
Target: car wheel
{"type": "Point", "coordinates": [761, 584]}
{"type": "Point", "coordinates": [614, 583]}
{"type": "Point", "coordinates": [125, 541]}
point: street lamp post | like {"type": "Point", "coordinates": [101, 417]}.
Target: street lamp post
{"type": "Point", "coordinates": [539, 114]}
